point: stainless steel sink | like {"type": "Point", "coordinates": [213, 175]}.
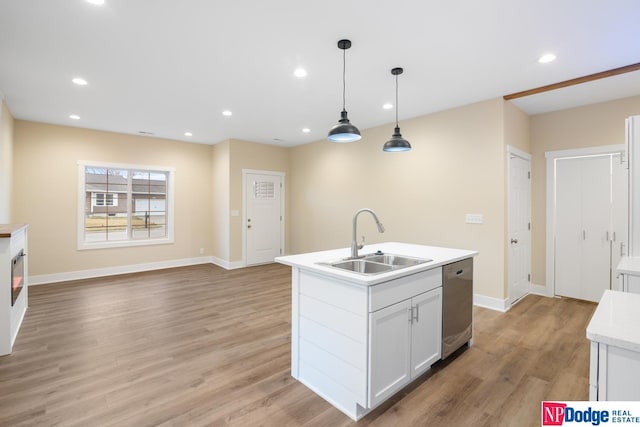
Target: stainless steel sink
{"type": "Point", "coordinates": [396, 260]}
{"type": "Point", "coordinates": [375, 263]}
{"type": "Point", "coordinates": [362, 266]}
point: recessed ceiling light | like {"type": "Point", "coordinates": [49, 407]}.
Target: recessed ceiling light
{"type": "Point", "coordinates": [388, 106]}
{"type": "Point", "coordinates": [300, 72]}
{"type": "Point", "coordinates": [188, 134]}
{"type": "Point", "coordinates": [227, 113]}
{"type": "Point", "coordinates": [549, 57]}
{"type": "Point", "coordinates": [306, 130]}
{"type": "Point", "coordinates": [74, 117]}
{"type": "Point", "coordinates": [80, 81]}
{"type": "Point", "coordinates": [97, 2]}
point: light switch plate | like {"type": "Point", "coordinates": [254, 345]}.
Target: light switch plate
{"type": "Point", "coordinates": [474, 219]}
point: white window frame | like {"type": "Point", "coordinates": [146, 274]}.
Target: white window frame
{"type": "Point", "coordinates": [168, 239]}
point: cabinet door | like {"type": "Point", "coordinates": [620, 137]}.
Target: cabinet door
{"type": "Point", "coordinates": [633, 284]}
{"type": "Point", "coordinates": [426, 331]}
{"type": "Point", "coordinates": [390, 351]}
{"type": "Point", "coordinates": [595, 268]}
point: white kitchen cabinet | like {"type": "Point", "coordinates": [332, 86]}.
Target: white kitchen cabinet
{"type": "Point", "coordinates": [390, 350]}
{"type": "Point", "coordinates": [405, 340]}
{"type": "Point", "coordinates": [426, 331]}
{"type": "Point", "coordinates": [630, 283]}
{"type": "Point", "coordinates": [629, 274]}
{"type": "Point", "coordinates": [614, 372]}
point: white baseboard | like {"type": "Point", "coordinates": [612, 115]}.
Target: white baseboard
{"type": "Point", "coordinates": [503, 304]}
{"type": "Point", "coordinates": [491, 303]}
{"type": "Point", "coordinates": [111, 271]}
{"type": "Point", "coordinates": [227, 265]}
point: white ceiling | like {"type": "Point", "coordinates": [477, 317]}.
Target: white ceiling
{"type": "Point", "coordinates": [169, 66]}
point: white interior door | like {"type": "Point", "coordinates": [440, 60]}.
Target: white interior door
{"type": "Point", "coordinates": [583, 227]}
{"type": "Point", "coordinates": [519, 227]}
{"type": "Point", "coordinates": [263, 226]}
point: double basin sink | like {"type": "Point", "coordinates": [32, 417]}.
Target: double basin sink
{"type": "Point", "coordinates": [375, 263]}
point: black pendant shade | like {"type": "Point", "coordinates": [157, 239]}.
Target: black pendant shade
{"type": "Point", "coordinates": [344, 131]}
{"type": "Point", "coordinates": [397, 142]}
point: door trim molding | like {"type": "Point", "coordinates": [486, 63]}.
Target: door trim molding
{"type": "Point", "coordinates": [246, 172]}
{"type": "Point", "coordinates": [516, 152]}
{"type": "Point", "coordinates": [551, 157]}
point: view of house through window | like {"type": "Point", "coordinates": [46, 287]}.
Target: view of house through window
{"type": "Point", "coordinates": [124, 204]}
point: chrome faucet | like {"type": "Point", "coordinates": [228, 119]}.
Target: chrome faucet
{"type": "Point", "coordinates": [354, 240]}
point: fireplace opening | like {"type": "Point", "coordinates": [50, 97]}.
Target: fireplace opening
{"type": "Point", "coordinates": [17, 276]}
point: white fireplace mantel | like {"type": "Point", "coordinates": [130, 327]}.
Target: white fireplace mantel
{"type": "Point", "coordinates": [13, 239]}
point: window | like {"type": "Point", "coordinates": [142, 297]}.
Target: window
{"type": "Point", "coordinates": [124, 205]}
{"type": "Point", "coordinates": [105, 199]}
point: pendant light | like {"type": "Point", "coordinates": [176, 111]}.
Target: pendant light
{"type": "Point", "coordinates": [397, 142]}
{"type": "Point", "coordinates": [344, 131]}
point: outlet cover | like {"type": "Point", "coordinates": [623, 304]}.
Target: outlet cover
{"type": "Point", "coordinates": [474, 219]}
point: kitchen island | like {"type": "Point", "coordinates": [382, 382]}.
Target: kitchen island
{"type": "Point", "coordinates": [357, 339]}
{"type": "Point", "coordinates": [614, 372]}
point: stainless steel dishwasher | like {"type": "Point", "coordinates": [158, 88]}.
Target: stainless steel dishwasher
{"type": "Point", "coordinates": [457, 305]}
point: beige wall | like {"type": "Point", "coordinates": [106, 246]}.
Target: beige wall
{"type": "Point", "coordinates": [6, 159]}
{"type": "Point", "coordinates": [220, 200]}
{"type": "Point", "coordinates": [45, 194]}
{"type": "Point", "coordinates": [588, 126]}
{"type": "Point", "coordinates": [456, 166]}
{"type": "Point", "coordinates": [517, 128]}
{"type": "Point", "coordinates": [250, 155]}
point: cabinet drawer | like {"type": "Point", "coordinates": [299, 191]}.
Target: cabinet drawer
{"type": "Point", "coordinates": [393, 291]}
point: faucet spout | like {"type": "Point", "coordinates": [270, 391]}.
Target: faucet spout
{"type": "Point", "coordinates": [354, 238]}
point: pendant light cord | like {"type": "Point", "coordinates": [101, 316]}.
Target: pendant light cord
{"type": "Point", "coordinates": [396, 100]}
{"type": "Point", "coordinates": [344, 79]}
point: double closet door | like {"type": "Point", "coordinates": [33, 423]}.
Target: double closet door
{"type": "Point", "coordinates": [590, 219]}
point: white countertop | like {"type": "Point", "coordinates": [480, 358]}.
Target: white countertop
{"type": "Point", "coordinates": [629, 265]}
{"type": "Point", "coordinates": [615, 321]}
{"type": "Point", "coordinates": [440, 256]}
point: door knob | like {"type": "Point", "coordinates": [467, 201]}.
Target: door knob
{"type": "Point", "coordinates": [514, 241]}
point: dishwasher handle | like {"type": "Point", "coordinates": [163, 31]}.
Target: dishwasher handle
{"type": "Point", "coordinates": [457, 273]}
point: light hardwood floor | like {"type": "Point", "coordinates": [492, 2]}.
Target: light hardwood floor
{"type": "Point", "coordinates": [200, 346]}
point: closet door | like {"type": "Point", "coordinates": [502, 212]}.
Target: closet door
{"type": "Point", "coordinates": [583, 220]}
{"type": "Point", "coordinates": [596, 223]}
{"type": "Point", "coordinates": [568, 233]}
